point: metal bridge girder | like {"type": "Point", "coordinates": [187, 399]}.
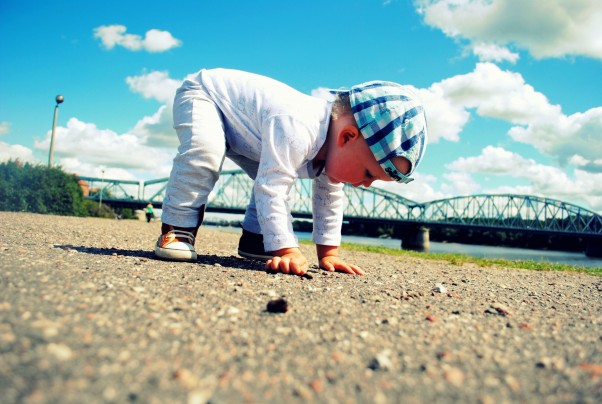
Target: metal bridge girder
{"type": "Point", "coordinates": [503, 211]}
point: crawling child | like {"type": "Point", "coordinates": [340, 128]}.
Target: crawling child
{"type": "Point", "coordinates": [373, 131]}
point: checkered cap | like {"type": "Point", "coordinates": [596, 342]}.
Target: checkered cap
{"type": "Point", "coordinates": [391, 118]}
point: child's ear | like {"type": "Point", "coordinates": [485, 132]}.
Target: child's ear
{"type": "Point", "coordinates": [348, 133]}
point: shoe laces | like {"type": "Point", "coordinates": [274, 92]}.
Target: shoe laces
{"type": "Point", "coordinates": [180, 234]}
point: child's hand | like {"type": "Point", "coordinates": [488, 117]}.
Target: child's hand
{"type": "Point", "coordinates": [330, 261]}
{"type": "Point", "coordinates": [334, 263]}
{"type": "Point", "coordinates": [288, 261]}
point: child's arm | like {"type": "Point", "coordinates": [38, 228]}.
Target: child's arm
{"type": "Point", "coordinates": [288, 261]}
{"type": "Point", "coordinates": [330, 261]}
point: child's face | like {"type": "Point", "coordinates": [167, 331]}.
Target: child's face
{"type": "Point", "coordinates": [350, 161]}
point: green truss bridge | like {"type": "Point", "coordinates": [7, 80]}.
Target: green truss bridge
{"type": "Point", "coordinates": [526, 213]}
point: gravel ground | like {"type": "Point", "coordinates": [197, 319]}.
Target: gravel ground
{"type": "Point", "coordinates": [88, 315]}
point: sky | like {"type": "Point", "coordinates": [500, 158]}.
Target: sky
{"type": "Point", "coordinates": [512, 88]}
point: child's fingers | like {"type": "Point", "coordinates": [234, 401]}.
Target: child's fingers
{"type": "Point", "coordinates": [299, 268]}
{"type": "Point", "coordinates": [287, 265]}
{"type": "Point", "coordinates": [275, 265]}
{"type": "Point", "coordinates": [354, 270]}
{"type": "Point", "coordinates": [298, 265]}
{"type": "Point", "coordinates": [347, 269]}
{"type": "Point", "coordinates": [350, 269]}
{"type": "Point", "coordinates": [329, 267]}
{"type": "Point", "coordinates": [357, 270]}
{"type": "Point", "coordinates": [268, 265]}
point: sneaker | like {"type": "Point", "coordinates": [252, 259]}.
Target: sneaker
{"type": "Point", "coordinates": [250, 246]}
{"type": "Point", "coordinates": [176, 245]}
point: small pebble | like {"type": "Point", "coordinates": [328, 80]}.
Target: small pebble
{"type": "Point", "coordinates": [439, 288]}
{"type": "Point", "coordinates": [317, 386]}
{"type": "Point", "coordinates": [381, 361]}
{"type": "Point", "coordinates": [454, 376]}
{"type": "Point", "coordinates": [277, 306]}
{"type": "Point", "coordinates": [501, 309]}
{"type": "Point", "coordinates": [60, 351]}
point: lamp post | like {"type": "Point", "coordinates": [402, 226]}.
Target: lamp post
{"type": "Point", "coordinates": [59, 99]}
{"type": "Point", "coordinates": [100, 199]}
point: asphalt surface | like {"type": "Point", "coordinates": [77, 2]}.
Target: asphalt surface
{"type": "Point", "coordinates": [88, 315]}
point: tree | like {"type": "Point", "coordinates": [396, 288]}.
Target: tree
{"type": "Point", "coordinates": [39, 189]}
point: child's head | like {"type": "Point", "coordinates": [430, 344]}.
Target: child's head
{"type": "Point", "coordinates": [391, 119]}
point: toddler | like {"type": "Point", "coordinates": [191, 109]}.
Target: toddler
{"type": "Point", "coordinates": [373, 131]}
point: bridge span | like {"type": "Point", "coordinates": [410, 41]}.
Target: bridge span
{"type": "Point", "coordinates": [525, 213]}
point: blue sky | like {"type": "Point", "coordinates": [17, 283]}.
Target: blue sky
{"type": "Point", "coordinates": [512, 88]}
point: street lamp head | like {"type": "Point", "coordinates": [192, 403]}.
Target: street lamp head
{"type": "Point", "coordinates": [59, 99]}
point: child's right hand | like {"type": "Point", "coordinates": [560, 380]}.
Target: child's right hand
{"type": "Point", "coordinates": [288, 261]}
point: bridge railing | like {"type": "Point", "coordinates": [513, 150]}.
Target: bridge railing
{"type": "Point", "coordinates": [234, 190]}
{"type": "Point", "coordinates": [113, 189]}
{"type": "Point", "coordinates": [524, 212]}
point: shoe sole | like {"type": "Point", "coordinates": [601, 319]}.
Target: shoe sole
{"type": "Point", "coordinates": [251, 256]}
{"type": "Point", "coordinates": [175, 255]}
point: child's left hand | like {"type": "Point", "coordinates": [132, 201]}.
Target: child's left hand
{"type": "Point", "coordinates": [288, 261]}
{"type": "Point", "coordinates": [334, 263]}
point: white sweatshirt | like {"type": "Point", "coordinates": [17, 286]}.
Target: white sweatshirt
{"type": "Point", "coordinates": [283, 130]}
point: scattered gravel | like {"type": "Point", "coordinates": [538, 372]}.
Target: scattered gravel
{"type": "Point", "coordinates": [88, 315]}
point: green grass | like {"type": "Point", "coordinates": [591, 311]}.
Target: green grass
{"type": "Point", "coordinates": [459, 259]}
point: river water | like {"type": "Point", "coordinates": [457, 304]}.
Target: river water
{"type": "Point", "coordinates": [480, 251]}
{"type": "Point", "coordinates": [483, 251]}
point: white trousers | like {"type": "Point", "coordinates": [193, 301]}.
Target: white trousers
{"type": "Point", "coordinates": [197, 165]}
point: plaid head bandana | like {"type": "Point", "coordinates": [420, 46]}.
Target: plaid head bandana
{"type": "Point", "coordinates": [392, 120]}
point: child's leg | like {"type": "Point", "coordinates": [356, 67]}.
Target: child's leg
{"type": "Point", "coordinates": [250, 244]}
{"type": "Point", "coordinates": [250, 222]}
{"type": "Point", "coordinates": [196, 167]}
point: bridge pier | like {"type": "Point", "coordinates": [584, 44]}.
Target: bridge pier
{"type": "Point", "coordinates": [593, 248]}
{"type": "Point", "coordinates": [416, 239]}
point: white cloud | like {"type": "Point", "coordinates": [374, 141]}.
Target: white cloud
{"type": "Point", "coordinates": [445, 117]}
{"type": "Point", "coordinates": [154, 41]}
{"type": "Point", "coordinates": [157, 130]}
{"type": "Point", "coordinates": [15, 152]}
{"type": "Point", "coordinates": [322, 92]}
{"type": "Point", "coordinates": [493, 160]}
{"type": "Point", "coordinates": [493, 92]}
{"type": "Point", "coordinates": [546, 28]}
{"type": "Point", "coordinates": [160, 41]}
{"type": "Point", "coordinates": [4, 127]}
{"type": "Point", "coordinates": [154, 85]}
{"type": "Point", "coordinates": [497, 93]}
{"type": "Point", "coordinates": [585, 164]}
{"type": "Point", "coordinates": [83, 168]}
{"type": "Point", "coordinates": [144, 152]}
{"type": "Point", "coordinates": [493, 53]}
{"type": "Point", "coordinates": [421, 190]}
{"type": "Point", "coordinates": [566, 137]}
{"type": "Point", "coordinates": [582, 187]}
{"type": "Point", "coordinates": [502, 94]}
{"type": "Point", "coordinates": [459, 183]}
{"type": "Point", "coordinates": [102, 147]}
